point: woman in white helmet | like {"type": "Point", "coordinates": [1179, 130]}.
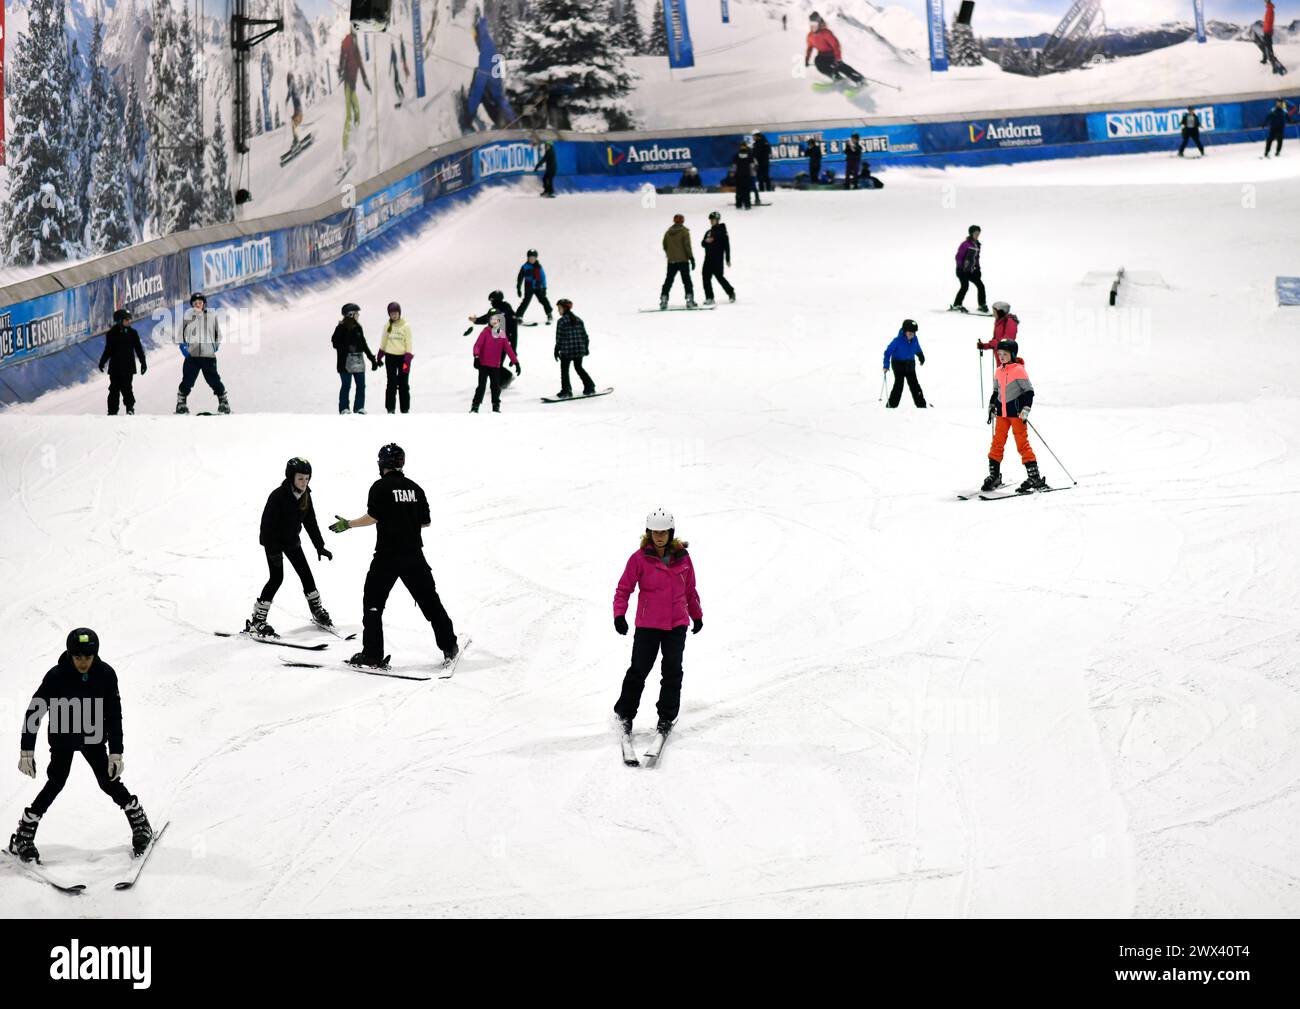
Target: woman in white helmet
{"type": "Point", "coordinates": [666, 604]}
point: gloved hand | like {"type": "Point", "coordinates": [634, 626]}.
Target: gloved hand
{"type": "Point", "coordinates": [103, 365]}
{"type": "Point", "coordinates": [340, 526]}
{"type": "Point", "coordinates": [185, 350]}
{"type": "Point", "coordinates": [557, 353]}
{"type": "Point", "coordinates": [620, 625]}
{"type": "Point", "coordinates": [144, 366]}
{"type": "Point", "coordinates": [993, 407]}
{"type": "Point", "coordinates": [884, 371]}
{"type": "Point", "coordinates": [692, 264]}
{"type": "Point", "coordinates": [379, 356]}
{"type": "Point", "coordinates": [321, 552]}
{"type": "Point", "coordinates": [1024, 415]}
{"type": "Point", "coordinates": [406, 361]}
{"type": "Point", "coordinates": [980, 346]}
{"type": "Point", "coordinates": [476, 362]}
{"type": "Point", "coordinates": [518, 293]}
{"type": "Point", "coordinates": [699, 626]}
{"type": "Point", "coordinates": [374, 364]}
{"type": "Point", "coordinates": [470, 318]}
{"type": "Point", "coordinates": [921, 358]}
{"type": "Point", "coordinates": [27, 762]}
{"type": "Point", "coordinates": [518, 369]}
{"type": "Point", "coordinates": [115, 766]}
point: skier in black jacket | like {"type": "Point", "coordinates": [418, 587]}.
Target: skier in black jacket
{"type": "Point", "coordinates": [813, 149]}
{"type": "Point", "coordinates": [81, 697]}
{"type": "Point", "coordinates": [399, 508]}
{"type": "Point", "coordinates": [762, 161]}
{"type": "Point", "coordinates": [546, 165]}
{"type": "Point", "coordinates": [1191, 124]}
{"type": "Point", "coordinates": [288, 510]}
{"type": "Point", "coordinates": [717, 253]}
{"type": "Point", "coordinates": [1275, 121]}
{"type": "Point", "coordinates": [352, 352]}
{"type": "Point", "coordinates": [744, 165]}
{"type": "Point", "coordinates": [852, 162]}
{"type": "Point", "coordinates": [121, 348]}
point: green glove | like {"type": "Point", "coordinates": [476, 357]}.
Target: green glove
{"type": "Point", "coordinates": [341, 526]}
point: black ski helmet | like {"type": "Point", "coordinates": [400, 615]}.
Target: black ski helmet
{"type": "Point", "coordinates": [351, 307]}
{"type": "Point", "coordinates": [83, 641]}
{"type": "Point", "coordinates": [910, 326]}
{"type": "Point", "coordinates": [122, 315]}
{"type": "Point", "coordinates": [531, 252]}
{"type": "Point", "coordinates": [496, 297]}
{"type": "Point", "coordinates": [391, 456]}
{"type": "Point", "coordinates": [295, 466]}
{"type": "Point", "coordinates": [1011, 347]}
{"type": "Point", "coordinates": [198, 296]}
{"type": "Point", "coordinates": [715, 216]}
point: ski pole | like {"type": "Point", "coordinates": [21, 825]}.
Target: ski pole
{"type": "Point", "coordinates": [883, 376]}
{"type": "Point", "coordinates": [981, 378]}
{"type": "Point", "coordinates": [1049, 448]}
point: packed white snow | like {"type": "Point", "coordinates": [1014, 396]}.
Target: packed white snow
{"type": "Point", "coordinates": [901, 704]}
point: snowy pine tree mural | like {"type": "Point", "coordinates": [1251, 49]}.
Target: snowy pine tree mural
{"type": "Point", "coordinates": [176, 136]}
{"type": "Point", "coordinates": [629, 29]}
{"type": "Point", "coordinates": [110, 226]}
{"type": "Point", "coordinates": [220, 203]}
{"type": "Point", "coordinates": [657, 45]}
{"type": "Point", "coordinates": [133, 125]}
{"type": "Point", "coordinates": [39, 213]}
{"type": "Point", "coordinates": [565, 49]}
{"type": "Point", "coordinates": [962, 48]}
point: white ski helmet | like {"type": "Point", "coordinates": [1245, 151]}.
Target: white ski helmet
{"type": "Point", "coordinates": [660, 521]}
{"type": "Point", "coordinates": [1001, 306]}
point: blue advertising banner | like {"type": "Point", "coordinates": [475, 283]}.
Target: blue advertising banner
{"type": "Point", "coordinates": [239, 262]}
{"type": "Point", "coordinates": [681, 53]}
{"type": "Point", "coordinates": [875, 140]}
{"type": "Point", "coordinates": [155, 286]}
{"type": "Point", "coordinates": [445, 176]}
{"type": "Point", "coordinates": [504, 159]}
{"type": "Point", "coordinates": [983, 134]}
{"type": "Point", "coordinates": [726, 12]}
{"type": "Point", "coordinates": [938, 41]}
{"type": "Point", "coordinates": [43, 325]}
{"type": "Point", "coordinates": [385, 208]}
{"type": "Point", "coordinates": [1138, 123]}
{"type": "Point", "coordinates": [417, 45]}
{"type": "Point", "coordinates": [1198, 7]}
{"type": "Point", "coordinates": [647, 156]}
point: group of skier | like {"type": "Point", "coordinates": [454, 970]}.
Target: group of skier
{"type": "Point", "coordinates": [680, 255]}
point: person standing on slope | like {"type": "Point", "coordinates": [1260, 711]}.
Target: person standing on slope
{"type": "Point", "coordinates": [546, 165]}
{"type": "Point", "coordinates": [1191, 124]}
{"type": "Point", "coordinates": [121, 348]}
{"type": "Point", "coordinates": [287, 511]}
{"type": "Point", "coordinates": [509, 324]}
{"type": "Point", "coordinates": [395, 355]}
{"type": "Point", "coordinates": [681, 260]}
{"type": "Point", "coordinates": [1013, 395]}
{"type": "Point", "coordinates": [200, 341]}
{"type": "Point", "coordinates": [530, 281]}
{"type": "Point", "coordinates": [571, 346]}
{"type": "Point", "coordinates": [823, 42]}
{"type": "Point", "coordinates": [902, 354]}
{"type": "Point", "coordinates": [81, 696]}
{"type": "Point", "coordinates": [763, 162]}
{"type": "Point", "coordinates": [489, 350]}
{"type": "Point", "coordinates": [852, 162]}
{"type": "Point", "coordinates": [351, 352]}
{"type": "Point", "coordinates": [1275, 121]}
{"type": "Point", "coordinates": [397, 506]}
{"type": "Point", "coordinates": [813, 149]}
{"type": "Point", "coordinates": [1005, 326]}
{"type": "Point", "coordinates": [968, 270]}
{"type": "Point", "coordinates": [717, 255]}
{"type": "Point", "coordinates": [743, 163]}
{"type": "Point", "coordinates": [667, 602]}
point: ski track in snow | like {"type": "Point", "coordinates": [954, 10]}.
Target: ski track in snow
{"type": "Point", "coordinates": [901, 704]}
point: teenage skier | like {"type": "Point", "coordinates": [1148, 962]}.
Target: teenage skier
{"type": "Point", "coordinates": [823, 41]}
{"type": "Point", "coordinates": [743, 163]}
{"type": "Point", "coordinates": [80, 693]}
{"type": "Point", "coordinates": [395, 355]}
{"type": "Point", "coordinates": [902, 354]}
{"type": "Point", "coordinates": [571, 346]}
{"type": "Point", "coordinates": [200, 341]}
{"type": "Point", "coordinates": [852, 162]}
{"type": "Point", "coordinates": [546, 165]}
{"type": "Point", "coordinates": [667, 602]}
{"type": "Point", "coordinates": [351, 352]}
{"type": "Point", "coordinates": [1275, 121]}
{"type": "Point", "coordinates": [510, 326]}
{"type": "Point", "coordinates": [717, 254]}
{"type": "Point", "coordinates": [530, 281]}
{"type": "Point", "coordinates": [681, 259]}
{"type": "Point", "coordinates": [1005, 326]}
{"type": "Point", "coordinates": [968, 270]}
{"type": "Point", "coordinates": [1191, 124]}
{"type": "Point", "coordinates": [489, 349]}
{"type": "Point", "coordinates": [399, 509]}
{"type": "Point", "coordinates": [121, 348]}
{"type": "Point", "coordinates": [763, 162]}
{"type": "Point", "coordinates": [1013, 395]}
{"type": "Point", "coordinates": [287, 512]}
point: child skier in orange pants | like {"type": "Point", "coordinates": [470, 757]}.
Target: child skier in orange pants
{"type": "Point", "coordinates": [1013, 395]}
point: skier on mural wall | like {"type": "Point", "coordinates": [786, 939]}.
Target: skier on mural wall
{"type": "Point", "coordinates": [350, 66]}
{"type": "Point", "coordinates": [486, 88]}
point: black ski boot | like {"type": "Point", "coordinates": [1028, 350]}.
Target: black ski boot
{"type": "Point", "coordinates": [256, 625]}
{"type": "Point", "coordinates": [448, 657]}
{"type": "Point", "coordinates": [663, 727]}
{"type": "Point", "coordinates": [624, 725]}
{"type": "Point", "coordinates": [22, 843]}
{"type": "Point", "coordinates": [319, 615]}
{"type": "Point", "coordinates": [223, 404]}
{"type": "Point", "coordinates": [364, 661]}
{"type": "Point", "coordinates": [1033, 481]}
{"type": "Point", "coordinates": [141, 832]}
{"type": "Point", "coordinates": [180, 403]}
{"type": "Point", "coordinates": [994, 480]}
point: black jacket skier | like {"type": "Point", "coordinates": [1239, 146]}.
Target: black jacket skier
{"type": "Point", "coordinates": [350, 338]}
{"type": "Point", "coordinates": [121, 350]}
{"type": "Point", "coordinates": [762, 162]}
{"type": "Point", "coordinates": [284, 518]}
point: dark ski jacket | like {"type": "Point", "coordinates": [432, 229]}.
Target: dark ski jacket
{"type": "Point", "coordinates": [762, 152]}
{"type": "Point", "coordinates": [121, 348]}
{"type": "Point", "coordinates": [571, 336]}
{"type": "Point", "coordinates": [744, 162]}
{"type": "Point", "coordinates": [546, 163]}
{"type": "Point", "coordinates": [1276, 120]}
{"type": "Point", "coordinates": [83, 711]}
{"type": "Point", "coordinates": [530, 276]}
{"type": "Point", "coordinates": [350, 338]}
{"type": "Point", "coordinates": [852, 158]}
{"type": "Point", "coordinates": [285, 516]}
{"type": "Point", "coordinates": [968, 257]}
{"type": "Point", "coordinates": [1191, 121]}
{"type": "Point", "coordinates": [716, 244]}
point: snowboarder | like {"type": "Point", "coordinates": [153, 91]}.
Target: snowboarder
{"type": "Point", "coordinates": [350, 65]}
{"type": "Point", "coordinates": [814, 151]}
{"type": "Point", "coordinates": [1013, 395]}
{"type": "Point", "coordinates": [395, 355]}
{"type": "Point", "coordinates": [530, 281]}
{"type": "Point", "coordinates": [667, 602]}
{"type": "Point", "coordinates": [823, 41]}
{"type": "Point", "coordinates": [763, 162]}
{"type": "Point", "coordinates": [398, 506]}
{"type": "Point", "coordinates": [200, 341]}
{"type": "Point", "coordinates": [287, 512]}
{"type": "Point", "coordinates": [681, 259]}
{"type": "Point", "coordinates": [486, 87]}
{"type": "Point", "coordinates": [852, 162]}
{"type": "Point", "coordinates": [295, 99]}
{"type": "Point", "coordinates": [1275, 120]}
{"type": "Point", "coordinates": [571, 346]}
{"type": "Point", "coordinates": [717, 254]}
{"type": "Point", "coordinates": [968, 270]}
{"type": "Point", "coordinates": [546, 165]}
{"type": "Point", "coordinates": [902, 354]}
{"type": "Point", "coordinates": [121, 348]}
{"type": "Point", "coordinates": [351, 352]}
{"type": "Point", "coordinates": [489, 349]}
{"type": "Point", "coordinates": [743, 163]}
{"type": "Point", "coordinates": [1005, 326]}
{"type": "Point", "coordinates": [1191, 124]}
{"type": "Point", "coordinates": [690, 179]}
{"type": "Point", "coordinates": [80, 694]}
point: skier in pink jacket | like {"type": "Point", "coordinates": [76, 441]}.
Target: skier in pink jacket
{"type": "Point", "coordinates": [666, 603]}
{"type": "Point", "coordinates": [489, 348]}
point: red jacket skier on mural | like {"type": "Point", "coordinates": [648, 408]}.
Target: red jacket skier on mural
{"type": "Point", "coordinates": [829, 61]}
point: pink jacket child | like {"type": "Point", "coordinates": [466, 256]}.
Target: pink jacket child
{"type": "Point", "coordinates": [488, 350]}
{"type": "Point", "coordinates": [666, 598]}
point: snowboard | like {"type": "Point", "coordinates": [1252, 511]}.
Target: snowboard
{"type": "Point", "coordinates": [680, 308]}
{"type": "Point", "coordinates": [598, 392]}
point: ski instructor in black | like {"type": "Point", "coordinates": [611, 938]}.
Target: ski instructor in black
{"type": "Point", "coordinates": [80, 695]}
{"type": "Point", "coordinates": [400, 509]}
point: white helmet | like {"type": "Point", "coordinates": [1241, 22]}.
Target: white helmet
{"type": "Point", "coordinates": [660, 521]}
{"type": "Point", "coordinates": [1001, 306]}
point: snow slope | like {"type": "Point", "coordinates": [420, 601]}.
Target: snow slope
{"type": "Point", "coordinates": [900, 705]}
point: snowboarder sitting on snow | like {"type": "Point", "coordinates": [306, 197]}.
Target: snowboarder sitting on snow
{"type": "Point", "coordinates": [288, 510]}
{"type": "Point", "coordinates": [900, 353]}
{"type": "Point", "coordinates": [1005, 326]}
{"type": "Point", "coordinates": [667, 602]}
{"type": "Point", "coordinates": [80, 693]}
{"type": "Point", "coordinates": [681, 259]}
{"type": "Point", "coordinates": [571, 346]}
{"type": "Point", "coordinates": [823, 41]}
{"type": "Point", "coordinates": [351, 354]}
{"type": "Point", "coordinates": [489, 349]}
{"type": "Point", "coordinates": [691, 179]}
{"type": "Point", "coordinates": [1013, 395]}
{"type": "Point", "coordinates": [121, 348]}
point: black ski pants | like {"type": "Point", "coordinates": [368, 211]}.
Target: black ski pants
{"type": "Point", "coordinates": [119, 384]}
{"type": "Point", "coordinates": [764, 177]}
{"type": "Point", "coordinates": [713, 271]}
{"type": "Point", "coordinates": [966, 280]}
{"type": "Point", "coordinates": [673, 269]}
{"type": "Point", "coordinates": [57, 776]}
{"type": "Point", "coordinates": [646, 644]}
{"type": "Point", "coordinates": [486, 375]}
{"type": "Point", "coordinates": [412, 569]}
{"type": "Point", "coordinates": [905, 371]}
{"type": "Point", "coordinates": [815, 168]}
{"type": "Point", "coordinates": [1274, 137]}
{"type": "Point", "coordinates": [744, 191]}
{"type": "Point", "coordinates": [529, 294]}
{"type": "Point", "coordinates": [399, 384]}
{"type": "Point", "coordinates": [275, 564]}
{"type": "Point", "coordinates": [1195, 137]}
{"type": "Point", "coordinates": [588, 386]}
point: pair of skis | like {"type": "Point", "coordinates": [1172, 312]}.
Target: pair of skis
{"type": "Point", "coordinates": [651, 755]}
{"type": "Point", "coordinates": [447, 669]}
{"type": "Point", "coordinates": [37, 871]}
{"type": "Point", "coordinates": [1002, 493]}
